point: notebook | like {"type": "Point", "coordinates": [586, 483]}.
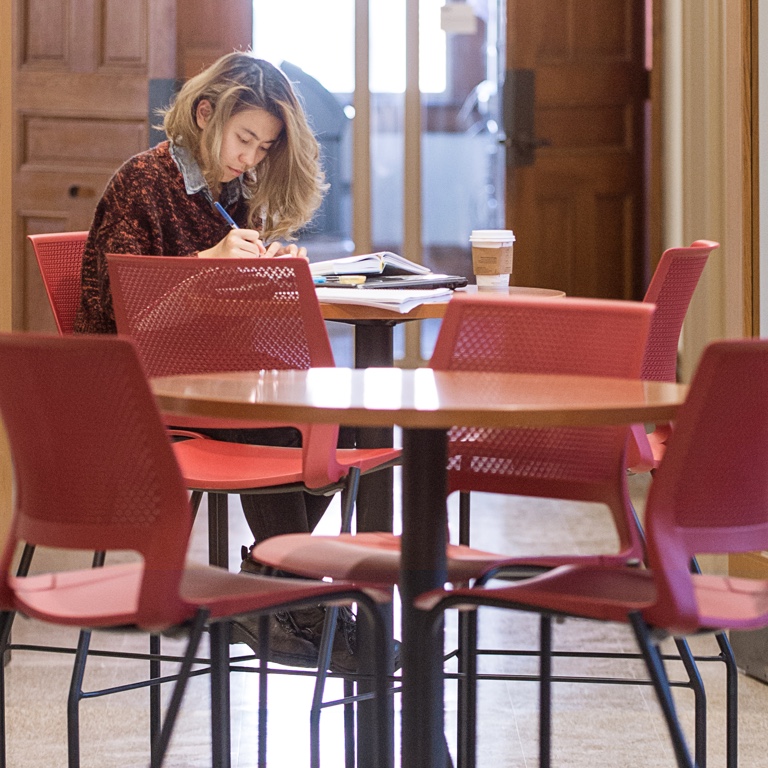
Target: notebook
{"type": "Point", "coordinates": [380, 263]}
{"type": "Point", "coordinates": [429, 280]}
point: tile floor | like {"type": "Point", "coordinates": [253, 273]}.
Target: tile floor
{"type": "Point", "coordinates": [595, 726]}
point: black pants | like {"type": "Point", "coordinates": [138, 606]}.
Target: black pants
{"type": "Point", "coordinates": [273, 514]}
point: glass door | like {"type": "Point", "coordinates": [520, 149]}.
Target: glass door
{"type": "Point", "coordinates": [458, 170]}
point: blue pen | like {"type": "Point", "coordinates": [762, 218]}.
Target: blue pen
{"type": "Point", "coordinates": [220, 208]}
{"type": "Point", "coordinates": [232, 223]}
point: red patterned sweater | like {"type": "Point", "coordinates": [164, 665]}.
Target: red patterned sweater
{"type": "Point", "coordinates": [146, 210]}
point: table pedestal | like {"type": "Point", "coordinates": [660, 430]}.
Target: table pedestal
{"type": "Point", "coordinates": [374, 512]}
{"type": "Point", "coordinates": [423, 567]}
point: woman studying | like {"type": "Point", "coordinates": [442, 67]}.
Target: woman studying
{"type": "Point", "coordinates": [238, 140]}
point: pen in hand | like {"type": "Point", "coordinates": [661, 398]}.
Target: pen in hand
{"type": "Point", "coordinates": [220, 208]}
{"type": "Point", "coordinates": [232, 223]}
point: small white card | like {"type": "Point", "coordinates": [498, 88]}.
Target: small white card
{"type": "Point", "coordinates": [458, 19]}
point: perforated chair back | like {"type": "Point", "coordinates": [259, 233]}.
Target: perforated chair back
{"type": "Point", "coordinates": [190, 315]}
{"type": "Point", "coordinates": [710, 493]}
{"type": "Point", "coordinates": [558, 336]}
{"type": "Point", "coordinates": [60, 256]}
{"type": "Point", "coordinates": [84, 430]}
{"type": "Point", "coordinates": [671, 289]}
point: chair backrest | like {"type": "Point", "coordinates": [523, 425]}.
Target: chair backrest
{"type": "Point", "coordinates": [191, 315]}
{"type": "Point", "coordinates": [710, 493]}
{"type": "Point", "coordinates": [93, 466]}
{"type": "Point", "coordinates": [671, 289]}
{"type": "Point", "coordinates": [534, 335]}
{"type": "Point", "coordinates": [60, 256]}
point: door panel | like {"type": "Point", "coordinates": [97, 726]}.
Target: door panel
{"type": "Point", "coordinates": [82, 74]}
{"type": "Point", "coordinates": [208, 30]}
{"type": "Point", "coordinates": [578, 209]}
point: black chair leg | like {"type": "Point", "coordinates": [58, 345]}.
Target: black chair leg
{"type": "Point", "coordinates": [466, 707]}
{"type": "Point", "coordinates": [349, 725]}
{"type": "Point", "coordinates": [382, 667]}
{"type": "Point", "coordinates": [194, 502]}
{"type": "Point", "coordinates": [220, 702]}
{"type": "Point", "coordinates": [73, 700]}
{"type": "Point", "coordinates": [323, 661]}
{"type": "Point", "coordinates": [545, 692]}
{"type": "Point", "coordinates": [263, 678]}
{"type": "Point", "coordinates": [76, 685]}
{"type": "Point", "coordinates": [700, 701]}
{"type": "Point", "coordinates": [155, 671]}
{"type": "Point", "coordinates": [164, 739]}
{"type": "Point", "coordinates": [348, 501]}
{"type": "Point", "coordinates": [464, 509]}
{"type": "Point", "coordinates": [218, 530]}
{"type": "Point", "coordinates": [467, 690]}
{"type": "Point", "coordinates": [655, 666]}
{"type": "Point", "coordinates": [731, 700]}
{"type": "Point", "coordinates": [349, 498]}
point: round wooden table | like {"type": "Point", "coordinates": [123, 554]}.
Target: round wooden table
{"type": "Point", "coordinates": [425, 403]}
{"type": "Point", "coordinates": [374, 347]}
{"type": "Point", "coordinates": [356, 313]}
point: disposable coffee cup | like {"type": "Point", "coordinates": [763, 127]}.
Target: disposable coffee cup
{"type": "Point", "coordinates": [492, 257]}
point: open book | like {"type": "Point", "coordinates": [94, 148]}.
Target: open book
{"type": "Point", "coordinates": [401, 301]}
{"type": "Point", "coordinates": [381, 263]}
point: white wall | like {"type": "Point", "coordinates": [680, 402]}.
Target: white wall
{"type": "Point", "coordinates": [710, 36]}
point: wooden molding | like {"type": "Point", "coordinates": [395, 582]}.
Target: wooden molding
{"type": "Point", "coordinates": [655, 182]}
{"type": "Point", "coordinates": [751, 177]}
{"type": "Point", "coordinates": [6, 234]}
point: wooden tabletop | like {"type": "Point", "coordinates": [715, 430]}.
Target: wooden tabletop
{"type": "Point", "coordinates": [425, 398]}
{"type": "Point", "coordinates": [359, 312]}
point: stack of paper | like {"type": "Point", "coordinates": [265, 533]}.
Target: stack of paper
{"type": "Point", "coordinates": [381, 263]}
{"type": "Point", "coordinates": [402, 300]}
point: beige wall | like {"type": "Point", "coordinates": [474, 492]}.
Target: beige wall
{"type": "Point", "coordinates": [704, 169]}
{"type": "Point", "coordinates": [6, 169]}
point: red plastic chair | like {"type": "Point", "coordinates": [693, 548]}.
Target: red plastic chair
{"type": "Point", "coordinates": [189, 315]}
{"type": "Point", "coordinates": [517, 334]}
{"type": "Point", "coordinates": [120, 489]}
{"type": "Point", "coordinates": [60, 257]}
{"type": "Point", "coordinates": [572, 336]}
{"type": "Point", "coordinates": [709, 495]}
{"type": "Point", "coordinates": [671, 290]}
{"type": "Point", "coordinates": [502, 333]}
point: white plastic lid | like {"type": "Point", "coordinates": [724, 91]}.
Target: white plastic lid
{"type": "Point", "coordinates": [505, 235]}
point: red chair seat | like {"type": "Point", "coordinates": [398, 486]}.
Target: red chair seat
{"type": "Point", "coordinates": [362, 557]}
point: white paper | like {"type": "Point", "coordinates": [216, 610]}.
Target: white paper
{"type": "Point", "coordinates": [400, 300]}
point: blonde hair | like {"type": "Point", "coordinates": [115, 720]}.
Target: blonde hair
{"type": "Point", "coordinates": [287, 186]}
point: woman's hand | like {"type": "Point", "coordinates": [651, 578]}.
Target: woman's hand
{"type": "Point", "coordinates": [278, 249]}
{"type": "Point", "coordinates": [238, 244]}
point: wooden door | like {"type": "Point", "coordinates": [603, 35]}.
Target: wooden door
{"type": "Point", "coordinates": [208, 30]}
{"type": "Point", "coordinates": [86, 74]}
{"type": "Point", "coordinates": [577, 209]}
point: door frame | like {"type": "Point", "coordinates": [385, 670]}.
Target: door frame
{"type": "Point", "coordinates": [6, 234]}
{"type": "Point", "coordinates": [751, 195]}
